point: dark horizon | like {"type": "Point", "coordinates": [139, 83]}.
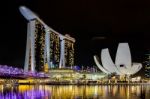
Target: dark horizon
{"type": "Point", "coordinates": [94, 25]}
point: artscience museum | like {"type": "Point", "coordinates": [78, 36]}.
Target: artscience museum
{"type": "Point", "coordinates": [123, 64]}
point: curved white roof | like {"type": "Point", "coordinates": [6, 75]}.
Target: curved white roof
{"type": "Point", "coordinates": [100, 67]}
{"type": "Point", "coordinates": [27, 13]}
{"type": "Point", "coordinates": [107, 62]}
{"type": "Point", "coordinates": [123, 55]}
{"type": "Point", "coordinates": [135, 68]}
{"type": "Point", "coordinates": [129, 71]}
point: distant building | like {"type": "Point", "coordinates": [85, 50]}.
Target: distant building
{"type": "Point", "coordinates": [147, 64]}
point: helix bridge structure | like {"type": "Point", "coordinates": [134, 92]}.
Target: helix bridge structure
{"type": "Point", "coordinates": [14, 72]}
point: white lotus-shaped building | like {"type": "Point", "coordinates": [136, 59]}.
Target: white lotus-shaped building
{"type": "Point", "coordinates": [123, 64]}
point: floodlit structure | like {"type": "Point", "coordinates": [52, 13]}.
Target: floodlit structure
{"type": "Point", "coordinates": [45, 47]}
{"type": "Point", "coordinates": [123, 64]}
{"type": "Point", "coordinates": [147, 64]}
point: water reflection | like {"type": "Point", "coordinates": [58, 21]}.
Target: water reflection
{"type": "Point", "coordinates": [75, 92]}
{"type": "Point", "coordinates": [23, 92]}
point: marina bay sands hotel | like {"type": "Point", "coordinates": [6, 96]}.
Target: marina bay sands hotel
{"type": "Point", "coordinates": [45, 47]}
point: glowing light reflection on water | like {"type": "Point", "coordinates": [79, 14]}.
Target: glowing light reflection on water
{"type": "Point", "coordinates": [75, 92]}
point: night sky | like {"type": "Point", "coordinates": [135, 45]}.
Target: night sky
{"type": "Point", "coordinates": [95, 24]}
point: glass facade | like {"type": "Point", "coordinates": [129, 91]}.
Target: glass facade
{"type": "Point", "coordinates": [54, 50]}
{"type": "Point", "coordinates": [69, 53]}
{"type": "Point", "coordinates": [147, 64]}
{"type": "Point", "coordinates": [39, 45]}
{"type": "Point", "coordinates": [44, 48]}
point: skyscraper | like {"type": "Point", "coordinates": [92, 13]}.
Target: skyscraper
{"type": "Point", "coordinates": [69, 52]}
{"type": "Point", "coordinates": [39, 45]}
{"type": "Point", "coordinates": [147, 64]}
{"type": "Point", "coordinates": [45, 47]}
{"type": "Point", "coordinates": [54, 49]}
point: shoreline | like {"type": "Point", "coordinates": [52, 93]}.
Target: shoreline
{"type": "Point", "coordinates": [76, 84]}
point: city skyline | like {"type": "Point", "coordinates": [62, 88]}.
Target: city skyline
{"type": "Point", "coordinates": [75, 49]}
{"type": "Point", "coordinates": [94, 27]}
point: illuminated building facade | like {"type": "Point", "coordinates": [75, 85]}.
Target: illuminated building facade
{"type": "Point", "coordinates": [54, 50]}
{"type": "Point", "coordinates": [45, 47]}
{"type": "Point", "coordinates": [69, 52]}
{"type": "Point", "coordinates": [123, 64]}
{"type": "Point", "coordinates": [147, 65]}
{"type": "Point", "coordinates": [39, 45]}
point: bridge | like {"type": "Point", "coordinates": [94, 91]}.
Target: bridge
{"type": "Point", "coordinates": [12, 75]}
{"type": "Point", "coordinates": [7, 72]}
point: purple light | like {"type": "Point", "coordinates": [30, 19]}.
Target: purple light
{"type": "Point", "coordinates": [30, 94]}
{"type": "Point", "coordinates": [13, 71]}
